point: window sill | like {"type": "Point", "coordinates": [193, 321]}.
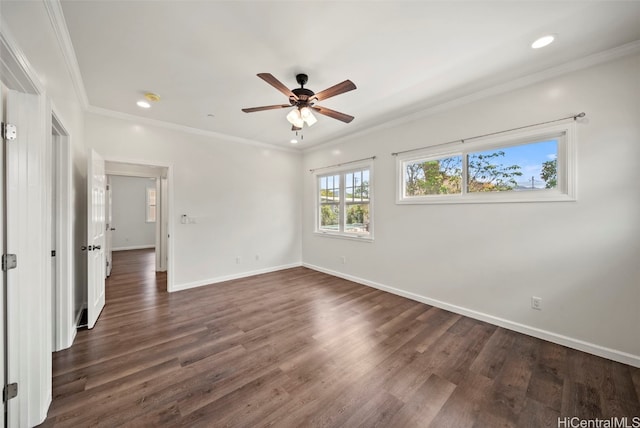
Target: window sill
{"type": "Point", "coordinates": [487, 198]}
{"type": "Point", "coordinates": [361, 238]}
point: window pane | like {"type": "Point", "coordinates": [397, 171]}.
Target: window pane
{"type": "Point", "coordinates": [152, 195]}
{"type": "Point", "coordinates": [330, 217]}
{"type": "Point", "coordinates": [433, 177]}
{"type": "Point", "coordinates": [151, 217]}
{"type": "Point", "coordinates": [357, 186]}
{"type": "Point", "coordinates": [330, 188]}
{"type": "Point", "coordinates": [357, 219]}
{"type": "Point", "coordinates": [517, 168]}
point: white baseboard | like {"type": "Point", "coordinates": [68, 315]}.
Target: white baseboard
{"type": "Point", "coordinates": [194, 284]}
{"type": "Point", "coordinates": [580, 345]}
{"type": "Point", "coordinates": [133, 247]}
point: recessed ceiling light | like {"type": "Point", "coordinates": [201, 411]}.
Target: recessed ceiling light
{"type": "Point", "coordinates": [293, 141]}
{"type": "Point", "coordinates": [143, 104]}
{"type": "Point", "coordinates": [543, 41]}
{"type": "Point", "coordinates": [152, 97]}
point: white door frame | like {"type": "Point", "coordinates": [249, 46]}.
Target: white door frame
{"type": "Point", "coordinates": [166, 208]}
{"type": "Point", "coordinates": [65, 325]}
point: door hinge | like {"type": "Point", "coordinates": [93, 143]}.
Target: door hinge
{"type": "Point", "coordinates": [10, 391]}
{"type": "Point", "coordinates": [9, 261]}
{"type": "Point", "coordinates": [9, 131]}
{"type": "Point", "coordinates": [53, 253]}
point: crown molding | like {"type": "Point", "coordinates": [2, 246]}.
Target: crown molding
{"type": "Point", "coordinates": [186, 129]}
{"type": "Point", "coordinates": [438, 107]}
{"type": "Point", "coordinates": [56, 16]}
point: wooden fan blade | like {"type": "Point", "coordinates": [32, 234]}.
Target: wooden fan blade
{"type": "Point", "coordinates": [333, 114]}
{"type": "Point", "coordinates": [338, 89]}
{"type": "Point", "coordinates": [277, 106]}
{"type": "Point", "coordinates": [268, 77]}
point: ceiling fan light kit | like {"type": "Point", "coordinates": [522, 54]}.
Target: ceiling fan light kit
{"type": "Point", "coordinates": [303, 100]}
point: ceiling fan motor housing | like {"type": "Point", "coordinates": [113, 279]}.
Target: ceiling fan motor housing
{"type": "Point", "coordinates": [304, 96]}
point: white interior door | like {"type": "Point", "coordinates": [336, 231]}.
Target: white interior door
{"type": "Point", "coordinates": [2, 247]}
{"type": "Point", "coordinates": [109, 228]}
{"type": "Point", "coordinates": [28, 303]}
{"type": "Point", "coordinates": [96, 187]}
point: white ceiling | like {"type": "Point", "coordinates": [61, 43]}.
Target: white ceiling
{"type": "Point", "coordinates": [202, 57]}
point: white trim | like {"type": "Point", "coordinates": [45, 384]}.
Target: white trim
{"type": "Point", "coordinates": [441, 105]}
{"type": "Point", "coordinates": [56, 16]}
{"type": "Point", "coordinates": [16, 71]}
{"type": "Point", "coordinates": [580, 345]}
{"type": "Point", "coordinates": [203, 282]}
{"type": "Point", "coordinates": [65, 278]}
{"type": "Point", "coordinates": [186, 129]}
{"type": "Point", "coordinates": [133, 247]}
{"type": "Point", "coordinates": [349, 237]}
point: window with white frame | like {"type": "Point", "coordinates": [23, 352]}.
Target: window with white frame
{"type": "Point", "coordinates": [529, 166]}
{"type": "Point", "coordinates": [344, 203]}
{"type": "Point", "coordinates": [151, 205]}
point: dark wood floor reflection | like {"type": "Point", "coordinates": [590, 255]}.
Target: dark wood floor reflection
{"type": "Point", "coordinates": [301, 348]}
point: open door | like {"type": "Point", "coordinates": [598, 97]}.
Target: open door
{"type": "Point", "coordinates": [96, 194]}
{"type": "Point", "coordinates": [26, 280]}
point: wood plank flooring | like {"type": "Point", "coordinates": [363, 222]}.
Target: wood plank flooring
{"type": "Point", "coordinates": [301, 348]}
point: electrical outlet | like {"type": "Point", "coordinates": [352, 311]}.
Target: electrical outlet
{"type": "Point", "coordinates": [536, 303]}
{"type": "Point", "coordinates": [343, 259]}
{"type": "Point", "coordinates": [238, 260]}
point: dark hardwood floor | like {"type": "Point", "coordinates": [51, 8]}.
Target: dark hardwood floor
{"type": "Point", "coordinates": [301, 348]}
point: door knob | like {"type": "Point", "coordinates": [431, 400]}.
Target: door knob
{"type": "Point", "coordinates": [113, 228]}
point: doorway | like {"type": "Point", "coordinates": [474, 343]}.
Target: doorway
{"type": "Point", "coordinates": [146, 187]}
{"type": "Point", "coordinates": [98, 168]}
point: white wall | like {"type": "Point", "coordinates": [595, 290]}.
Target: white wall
{"type": "Point", "coordinates": [129, 213]}
{"type": "Point", "coordinates": [487, 260]}
{"type": "Point", "coordinates": [245, 199]}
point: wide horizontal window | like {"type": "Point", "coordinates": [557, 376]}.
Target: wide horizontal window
{"type": "Point", "coordinates": [535, 166]}
{"type": "Point", "coordinates": [344, 203]}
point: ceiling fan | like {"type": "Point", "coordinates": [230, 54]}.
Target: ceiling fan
{"type": "Point", "coordinates": [304, 100]}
